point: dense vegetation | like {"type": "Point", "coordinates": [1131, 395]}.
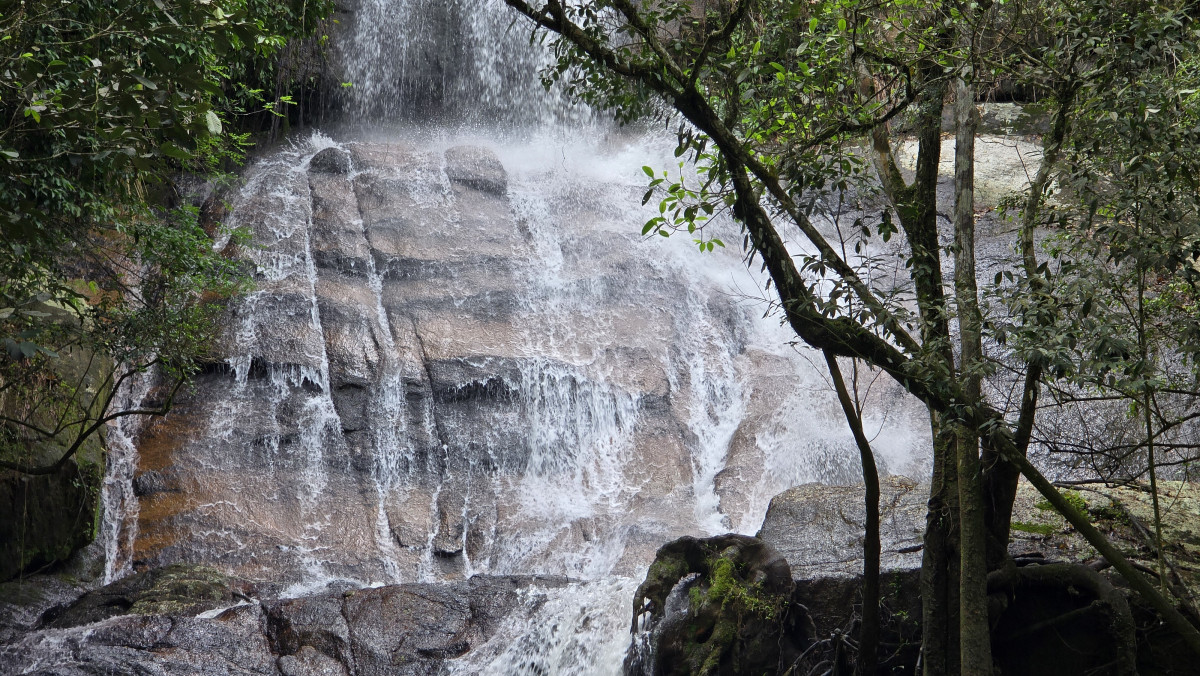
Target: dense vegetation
{"type": "Point", "coordinates": [107, 269]}
{"type": "Point", "coordinates": [791, 111]}
{"type": "Point", "coordinates": [103, 103]}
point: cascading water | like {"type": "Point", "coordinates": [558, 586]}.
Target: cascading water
{"type": "Point", "coordinates": [460, 358]}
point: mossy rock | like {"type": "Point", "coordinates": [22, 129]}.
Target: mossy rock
{"type": "Point", "coordinates": [45, 518]}
{"type": "Point", "coordinates": [176, 590]}
{"type": "Point", "coordinates": [719, 605]}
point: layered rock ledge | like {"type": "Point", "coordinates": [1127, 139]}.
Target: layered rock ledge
{"type": "Point", "coordinates": [195, 620]}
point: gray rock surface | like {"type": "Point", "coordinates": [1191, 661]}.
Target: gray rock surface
{"type": "Point", "coordinates": [402, 629]}
{"type": "Point", "coordinates": [177, 589]}
{"type": "Point", "coordinates": [477, 168]}
{"type": "Point", "coordinates": [819, 529]}
{"type": "Point", "coordinates": [330, 161]}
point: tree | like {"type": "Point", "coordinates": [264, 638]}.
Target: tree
{"type": "Point", "coordinates": [102, 270]}
{"type": "Point", "coordinates": [786, 105]}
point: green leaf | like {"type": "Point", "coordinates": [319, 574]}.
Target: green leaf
{"type": "Point", "coordinates": [171, 150]}
{"type": "Point", "coordinates": [214, 123]}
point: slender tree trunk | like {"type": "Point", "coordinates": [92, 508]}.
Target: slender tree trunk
{"type": "Point", "coordinates": [975, 637]}
{"type": "Point", "coordinates": [1001, 476]}
{"type": "Point", "coordinates": [1148, 419]}
{"type": "Point", "coordinates": [939, 563]}
{"type": "Point", "coordinates": [917, 208]}
{"type": "Point", "coordinates": [868, 637]}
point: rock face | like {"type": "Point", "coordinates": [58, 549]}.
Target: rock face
{"type": "Point", "coordinates": [45, 518]}
{"type": "Point", "coordinates": [819, 528]}
{"type": "Point", "coordinates": [405, 629]}
{"type": "Point", "coordinates": [448, 368]}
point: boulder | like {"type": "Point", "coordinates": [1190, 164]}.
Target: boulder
{"type": "Point", "coordinates": [189, 620]}
{"type": "Point", "coordinates": [477, 168]}
{"type": "Point", "coordinates": [721, 605]}
{"type": "Point", "coordinates": [177, 590]}
{"type": "Point", "coordinates": [45, 518]}
{"type": "Point", "coordinates": [330, 161]}
{"type": "Point", "coordinates": [819, 528]}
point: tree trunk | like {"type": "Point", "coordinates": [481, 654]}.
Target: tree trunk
{"type": "Point", "coordinates": [939, 562]}
{"type": "Point", "coordinates": [868, 637]}
{"type": "Point", "coordinates": [1000, 476]}
{"type": "Point", "coordinates": [975, 639]}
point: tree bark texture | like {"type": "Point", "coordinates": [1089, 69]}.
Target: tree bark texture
{"type": "Point", "coordinates": [868, 637]}
{"type": "Point", "coordinates": [975, 639]}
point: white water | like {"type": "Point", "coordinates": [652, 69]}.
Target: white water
{"type": "Point", "coordinates": [613, 392]}
{"type": "Point", "coordinates": [119, 505]}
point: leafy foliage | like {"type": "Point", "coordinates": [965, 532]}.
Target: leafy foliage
{"type": "Point", "coordinates": [103, 101]}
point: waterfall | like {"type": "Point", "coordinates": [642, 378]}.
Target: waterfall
{"type": "Point", "coordinates": [461, 358]}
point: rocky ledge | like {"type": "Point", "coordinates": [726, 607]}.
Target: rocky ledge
{"type": "Point", "coordinates": [725, 605]}
{"type": "Point", "coordinates": [196, 620]}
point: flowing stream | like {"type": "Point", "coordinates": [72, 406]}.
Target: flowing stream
{"type": "Point", "coordinates": [461, 358]}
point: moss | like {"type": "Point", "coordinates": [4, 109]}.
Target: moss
{"type": "Point", "coordinates": [1035, 528]}
{"type": "Point", "coordinates": [727, 588]}
{"type": "Point", "coordinates": [667, 568]}
{"type": "Point", "coordinates": [729, 611]}
{"type": "Point", "coordinates": [1112, 513]}
{"type": "Point", "coordinates": [179, 589]}
{"type": "Point", "coordinates": [1073, 498]}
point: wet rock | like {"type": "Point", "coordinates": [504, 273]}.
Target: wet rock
{"type": "Point", "coordinates": [24, 601]}
{"type": "Point", "coordinates": [338, 241]}
{"type": "Point", "coordinates": [178, 590]}
{"type": "Point", "coordinates": [463, 379]}
{"type": "Point", "coordinates": [402, 629]}
{"type": "Point", "coordinates": [153, 481]}
{"type": "Point", "coordinates": [477, 168]}
{"type": "Point", "coordinates": [379, 155]}
{"type": "Point", "coordinates": [314, 622]}
{"type": "Point", "coordinates": [309, 662]}
{"type": "Point", "coordinates": [330, 161]}
{"type": "Point", "coordinates": [819, 529]}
